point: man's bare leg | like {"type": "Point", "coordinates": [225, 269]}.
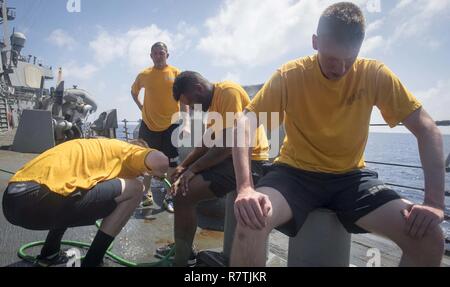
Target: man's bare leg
{"type": "Point", "coordinates": [389, 222]}
{"type": "Point", "coordinates": [249, 246]}
{"type": "Point", "coordinates": [148, 186]}
{"type": "Point", "coordinates": [132, 190]}
{"type": "Point", "coordinates": [186, 218]}
{"type": "Point", "coordinates": [127, 202]}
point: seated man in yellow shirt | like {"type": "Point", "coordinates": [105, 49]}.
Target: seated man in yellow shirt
{"type": "Point", "coordinates": [326, 101]}
{"type": "Point", "coordinates": [77, 183]}
{"type": "Point", "coordinates": [207, 172]}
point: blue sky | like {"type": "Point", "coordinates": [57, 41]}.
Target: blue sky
{"type": "Point", "coordinates": [103, 47]}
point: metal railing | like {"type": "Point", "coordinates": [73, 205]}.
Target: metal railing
{"type": "Point", "coordinates": [438, 123]}
{"type": "Point", "coordinates": [447, 170]}
{"type": "Point", "coordinates": [126, 132]}
{"type": "Point", "coordinates": [447, 193]}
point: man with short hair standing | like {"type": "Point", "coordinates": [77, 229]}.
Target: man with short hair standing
{"type": "Point", "coordinates": [159, 107]}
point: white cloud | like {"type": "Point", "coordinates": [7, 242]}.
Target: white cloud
{"type": "Point", "coordinates": [403, 4]}
{"type": "Point", "coordinates": [75, 71]}
{"type": "Point", "coordinates": [371, 45]}
{"type": "Point", "coordinates": [416, 18]}
{"type": "Point", "coordinates": [436, 100]}
{"type": "Point", "coordinates": [107, 47]}
{"type": "Point", "coordinates": [61, 39]}
{"type": "Point", "coordinates": [232, 76]}
{"type": "Point", "coordinates": [134, 45]}
{"type": "Point", "coordinates": [374, 26]}
{"type": "Point", "coordinates": [256, 32]}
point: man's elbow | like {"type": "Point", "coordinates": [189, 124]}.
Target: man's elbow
{"type": "Point", "coordinates": [421, 124]}
{"type": "Point", "coordinates": [158, 163]}
{"type": "Point", "coordinates": [429, 129]}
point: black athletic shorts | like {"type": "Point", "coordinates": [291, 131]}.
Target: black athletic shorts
{"type": "Point", "coordinates": [222, 176]}
{"type": "Point", "coordinates": [161, 141]}
{"type": "Point", "coordinates": [351, 195]}
{"type": "Point", "coordinates": [35, 207]}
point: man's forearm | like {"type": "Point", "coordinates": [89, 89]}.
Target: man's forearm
{"type": "Point", "coordinates": [194, 155]}
{"type": "Point", "coordinates": [214, 156]}
{"type": "Point", "coordinates": [137, 101]}
{"type": "Point", "coordinates": [432, 156]}
{"type": "Point", "coordinates": [242, 155]}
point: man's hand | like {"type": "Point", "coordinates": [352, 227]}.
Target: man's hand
{"type": "Point", "coordinates": [182, 184]}
{"type": "Point", "coordinates": [251, 208]}
{"type": "Point", "coordinates": [177, 173]}
{"type": "Point", "coordinates": [420, 219]}
{"type": "Point", "coordinates": [185, 131]}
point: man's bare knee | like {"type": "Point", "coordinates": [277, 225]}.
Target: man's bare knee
{"type": "Point", "coordinates": [132, 187]}
{"type": "Point", "coordinates": [244, 233]}
{"type": "Point", "coordinates": [198, 191]}
{"type": "Point", "coordinates": [432, 244]}
{"type": "Point", "coordinates": [436, 240]}
{"type": "Point", "coordinates": [189, 198]}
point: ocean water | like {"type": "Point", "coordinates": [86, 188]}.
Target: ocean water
{"type": "Point", "coordinates": [402, 148]}
{"type": "Point", "coordinates": [398, 148]}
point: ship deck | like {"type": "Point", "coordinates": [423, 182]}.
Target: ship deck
{"type": "Point", "coordinates": [153, 227]}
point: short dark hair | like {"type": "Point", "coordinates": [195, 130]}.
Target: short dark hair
{"type": "Point", "coordinates": [160, 45]}
{"type": "Point", "coordinates": [344, 22]}
{"type": "Point", "coordinates": [185, 82]}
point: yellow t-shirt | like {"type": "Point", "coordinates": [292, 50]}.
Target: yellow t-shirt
{"type": "Point", "coordinates": [327, 122]}
{"type": "Point", "coordinates": [230, 97]}
{"type": "Point", "coordinates": [84, 163]}
{"type": "Point", "coordinates": [159, 104]}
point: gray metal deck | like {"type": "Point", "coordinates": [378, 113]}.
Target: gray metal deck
{"type": "Point", "coordinates": [152, 227]}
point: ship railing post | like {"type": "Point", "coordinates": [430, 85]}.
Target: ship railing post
{"type": "Point", "coordinates": [125, 129]}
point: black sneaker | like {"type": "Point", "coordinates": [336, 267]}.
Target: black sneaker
{"type": "Point", "coordinates": [59, 259]}
{"type": "Point", "coordinates": [163, 251]}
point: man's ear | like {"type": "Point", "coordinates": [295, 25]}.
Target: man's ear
{"type": "Point", "coordinates": [168, 56]}
{"type": "Point", "coordinates": [314, 42]}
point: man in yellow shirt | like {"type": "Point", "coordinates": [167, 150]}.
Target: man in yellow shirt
{"type": "Point", "coordinates": [75, 184]}
{"type": "Point", "coordinates": [326, 101]}
{"type": "Point", "coordinates": [159, 107]}
{"type": "Point", "coordinates": [207, 172]}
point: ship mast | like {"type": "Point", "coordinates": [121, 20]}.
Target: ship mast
{"type": "Point", "coordinates": [6, 39]}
